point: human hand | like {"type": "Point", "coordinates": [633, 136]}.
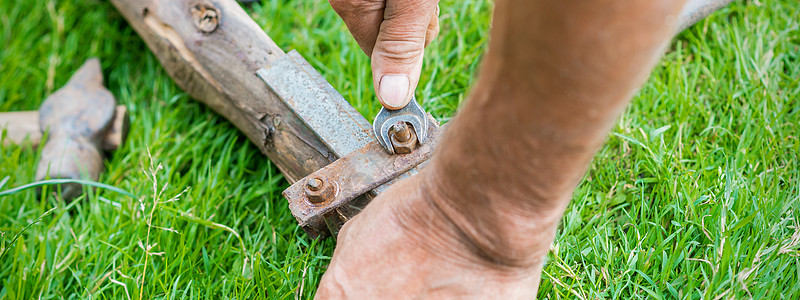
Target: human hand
{"type": "Point", "coordinates": [394, 33]}
{"type": "Point", "coordinates": [402, 247]}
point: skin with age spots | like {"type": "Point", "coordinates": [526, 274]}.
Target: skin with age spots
{"type": "Point", "coordinates": [478, 221]}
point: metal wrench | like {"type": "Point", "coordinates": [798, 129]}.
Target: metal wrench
{"type": "Point", "coordinates": [412, 114]}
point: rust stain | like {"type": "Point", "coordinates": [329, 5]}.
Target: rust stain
{"type": "Point", "coordinates": [349, 177]}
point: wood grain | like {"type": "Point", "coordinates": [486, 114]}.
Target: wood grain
{"type": "Point", "coordinates": [212, 50]}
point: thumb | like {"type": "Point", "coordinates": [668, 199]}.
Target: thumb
{"type": "Point", "coordinates": [397, 55]}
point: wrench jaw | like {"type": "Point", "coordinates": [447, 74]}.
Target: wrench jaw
{"type": "Point", "coordinates": [412, 114]}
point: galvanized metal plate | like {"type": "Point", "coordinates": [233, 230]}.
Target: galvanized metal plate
{"type": "Point", "coordinates": [337, 124]}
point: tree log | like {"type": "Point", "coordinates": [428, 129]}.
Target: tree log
{"type": "Point", "coordinates": [212, 50]}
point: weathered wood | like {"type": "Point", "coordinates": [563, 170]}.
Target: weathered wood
{"type": "Point", "coordinates": [212, 50]}
{"type": "Point", "coordinates": [79, 117]}
{"type": "Point", "coordinates": [21, 126]}
{"type": "Point", "coordinates": [696, 10]}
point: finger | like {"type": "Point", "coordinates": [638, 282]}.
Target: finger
{"type": "Point", "coordinates": [363, 18]}
{"type": "Point", "coordinates": [398, 51]}
{"type": "Point", "coordinates": [433, 28]}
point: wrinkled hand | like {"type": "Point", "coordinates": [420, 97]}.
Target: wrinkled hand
{"type": "Point", "coordinates": [400, 247]}
{"type": "Point", "coordinates": [394, 34]}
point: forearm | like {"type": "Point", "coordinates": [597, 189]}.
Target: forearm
{"type": "Point", "coordinates": [556, 76]}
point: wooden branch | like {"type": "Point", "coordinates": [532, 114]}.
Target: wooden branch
{"type": "Point", "coordinates": [212, 50]}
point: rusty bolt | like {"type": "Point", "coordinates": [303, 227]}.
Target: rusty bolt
{"type": "Point", "coordinates": [319, 189]}
{"type": "Point", "coordinates": [401, 131]}
{"type": "Point", "coordinates": [404, 140]}
{"type": "Point", "coordinates": [314, 184]}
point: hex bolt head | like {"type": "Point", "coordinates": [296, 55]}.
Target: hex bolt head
{"type": "Point", "coordinates": [319, 189]}
{"type": "Point", "coordinates": [314, 184]}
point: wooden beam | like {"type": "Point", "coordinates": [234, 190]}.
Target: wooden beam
{"type": "Point", "coordinates": [212, 50]}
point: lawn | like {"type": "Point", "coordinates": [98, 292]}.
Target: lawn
{"type": "Point", "coordinates": [696, 194]}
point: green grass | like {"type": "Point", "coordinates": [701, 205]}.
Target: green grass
{"type": "Point", "coordinates": [696, 195]}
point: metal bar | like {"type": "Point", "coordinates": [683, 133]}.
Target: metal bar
{"type": "Point", "coordinates": [351, 176]}
{"type": "Point", "coordinates": [337, 124]}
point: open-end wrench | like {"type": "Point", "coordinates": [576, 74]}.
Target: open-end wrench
{"type": "Point", "coordinates": [387, 122]}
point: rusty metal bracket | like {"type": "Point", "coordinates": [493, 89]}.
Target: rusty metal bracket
{"type": "Point", "coordinates": [361, 168]}
{"type": "Point", "coordinates": [351, 176]}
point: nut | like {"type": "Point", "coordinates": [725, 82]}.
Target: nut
{"type": "Point", "coordinates": [319, 189]}
{"type": "Point", "coordinates": [404, 140]}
